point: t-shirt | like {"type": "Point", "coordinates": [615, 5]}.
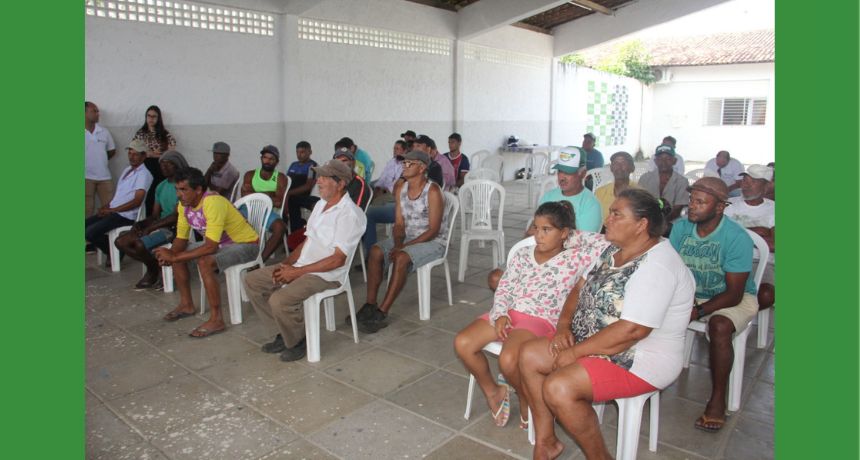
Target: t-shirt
{"type": "Point", "coordinates": [448, 173]}
{"type": "Point", "coordinates": [363, 164]}
{"type": "Point", "coordinates": [730, 173]}
{"type": "Point", "coordinates": [675, 191]}
{"type": "Point", "coordinates": [300, 173]}
{"type": "Point", "coordinates": [217, 219]}
{"type": "Point", "coordinates": [586, 209]}
{"type": "Point", "coordinates": [130, 181]}
{"type": "Point", "coordinates": [541, 289]}
{"type": "Point", "coordinates": [97, 145]}
{"type": "Point", "coordinates": [593, 159]}
{"type": "Point", "coordinates": [340, 226]}
{"type": "Point", "coordinates": [728, 249]}
{"type": "Point", "coordinates": [654, 290]}
{"type": "Point", "coordinates": [165, 195]}
{"type": "Point", "coordinates": [605, 195]}
{"type": "Point", "coordinates": [225, 178]}
{"type": "Point", "coordinates": [434, 173]}
{"type": "Point", "coordinates": [678, 168]}
{"type": "Point", "coordinates": [460, 164]}
{"type": "Point", "coordinates": [751, 216]}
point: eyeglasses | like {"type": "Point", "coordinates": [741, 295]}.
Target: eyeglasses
{"type": "Point", "coordinates": [409, 164]}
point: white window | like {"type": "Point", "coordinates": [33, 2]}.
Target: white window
{"type": "Point", "coordinates": [735, 111]}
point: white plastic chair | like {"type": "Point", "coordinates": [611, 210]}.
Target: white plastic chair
{"type": "Point", "coordinates": [494, 162]}
{"type": "Point", "coordinates": [536, 171]}
{"type": "Point", "coordinates": [452, 206]}
{"type": "Point", "coordinates": [480, 227]}
{"type": "Point", "coordinates": [234, 194]}
{"type": "Point", "coordinates": [629, 422]}
{"type": "Point", "coordinates": [259, 207]}
{"type": "Point", "coordinates": [312, 313]}
{"type": "Point", "coordinates": [739, 342]}
{"type": "Point", "coordinates": [697, 174]}
{"type": "Point", "coordinates": [167, 270]}
{"type": "Point", "coordinates": [114, 234]}
{"type": "Point", "coordinates": [477, 158]}
{"type": "Point", "coordinates": [548, 183]}
{"type": "Point", "coordinates": [361, 246]}
{"type": "Point", "coordinates": [482, 174]}
{"type": "Point", "coordinates": [599, 177]}
{"type": "Point", "coordinates": [763, 316]}
{"type": "Point", "coordinates": [639, 169]}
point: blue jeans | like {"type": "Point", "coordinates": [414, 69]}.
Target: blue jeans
{"type": "Point", "coordinates": [382, 214]}
{"type": "Point", "coordinates": [96, 229]}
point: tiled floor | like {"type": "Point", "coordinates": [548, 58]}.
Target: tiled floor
{"type": "Point", "coordinates": [154, 393]}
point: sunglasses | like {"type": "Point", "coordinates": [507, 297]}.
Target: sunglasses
{"type": "Point", "coordinates": [410, 163]}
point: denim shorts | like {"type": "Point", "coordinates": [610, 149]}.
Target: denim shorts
{"type": "Point", "coordinates": [157, 238]}
{"type": "Point", "coordinates": [421, 253]}
{"type": "Point", "coordinates": [232, 254]}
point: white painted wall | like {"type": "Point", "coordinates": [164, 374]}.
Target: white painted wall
{"type": "Point", "coordinates": [678, 108]}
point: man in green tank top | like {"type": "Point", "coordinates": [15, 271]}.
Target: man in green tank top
{"type": "Point", "coordinates": [267, 180]}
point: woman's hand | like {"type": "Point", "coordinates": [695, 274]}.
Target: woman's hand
{"type": "Point", "coordinates": [562, 340]}
{"type": "Point", "coordinates": [502, 326]}
{"type": "Point", "coordinates": [564, 358]}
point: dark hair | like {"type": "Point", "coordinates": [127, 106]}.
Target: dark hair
{"type": "Point", "coordinates": [645, 206]}
{"type": "Point", "coordinates": [88, 104]}
{"type": "Point", "coordinates": [456, 137]}
{"type": "Point", "coordinates": [303, 145]}
{"type": "Point", "coordinates": [672, 140]}
{"type": "Point", "coordinates": [409, 145]}
{"type": "Point", "coordinates": [624, 155]}
{"type": "Point", "coordinates": [342, 144]}
{"type": "Point", "coordinates": [402, 143]}
{"type": "Point", "coordinates": [560, 213]}
{"type": "Point", "coordinates": [193, 176]}
{"type": "Point", "coordinates": [160, 131]}
{"type": "Point", "coordinates": [348, 142]}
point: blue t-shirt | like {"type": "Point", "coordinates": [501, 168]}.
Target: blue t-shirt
{"type": "Point", "coordinates": [362, 157]}
{"type": "Point", "coordinates": [460, 164]}
{"type": "Point", "coordinates": [586, 208]}
{"type": "Point", "coordinates": [728, 249]}
{"type": "Point", "coordinates": [593, 159]}
{"type": "Point", "coordinates": [300, 173]}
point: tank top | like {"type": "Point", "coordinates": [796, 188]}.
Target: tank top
{"type": "Point", "coordinates": [262, 185]}
{"type": "Point", "coordinates": [416, 213]}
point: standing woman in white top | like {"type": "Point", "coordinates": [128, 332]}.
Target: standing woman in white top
{"type": "Point", "coordinates": [630, 315]}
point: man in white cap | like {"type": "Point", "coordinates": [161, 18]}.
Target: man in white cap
{"type": "Point", "coordinates": [571, 170]}
{"type": "Point", "coordinates": [755, 212]}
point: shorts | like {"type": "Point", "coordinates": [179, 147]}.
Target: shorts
{"type": "Point", "coordinates": [740, 315]}
{"type": "Point", "coordinates": [232, 254]}
{"type": "Point", "coordinates": [157, 238]}
{"type": "Point", "coordinates": [537, 326]}
{"type": "Point", "coordinates": [611, 381]}
{"type": "Point", "coordinates": [420, 254]}
{"type": "Point", "coordinates": [243, 210]}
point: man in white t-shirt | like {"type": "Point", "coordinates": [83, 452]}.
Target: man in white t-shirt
{"type": "Point", "coordinates": [756, 213]}
{"type": "Point", "coordinates": [728, 169]}
{"type": "Point", "coordinates": [99, 149]}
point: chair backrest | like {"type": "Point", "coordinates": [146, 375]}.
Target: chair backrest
{"type": "Point", "coordinates": [536, 165]}
{"type": "Point", "coordinates": [452, 206]}
{"type": "Point", "coordinates": [640, 168]}
{"type": "Point", "coordinates": [530, 241]}
{"type": "Point", "coordinates": [546, 184]}
{"type": "Point", "coordinates": [763, 255]}
{"type": "Point", "coordinates": [259, 207]}
{"type": "Point", "coordinates": [284, 199]}
{"type": "Point", "coordinates": [482, 174]}
{"type": "Point", "coordinates": [551, 166]}
{"type": "Point", "coordinates": [480, 193]}
{"type": "Point", "coordinates": [599, 176]}
{"type": "Point", "coordinates": [494, 162]}
{"type": "Point", "coordinates": [141, 210]}
{"type": "Point", "coordinates": [234, 195]}
{"type": "Point", "coordinates": [477, 158]}
{"type": "Point", "coordinates": [369, 198]}
{"type": "Point", "coordinates": [695, 174]}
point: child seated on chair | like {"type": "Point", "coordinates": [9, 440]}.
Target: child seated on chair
{"type": "Point", "coordinates": [527, 304]}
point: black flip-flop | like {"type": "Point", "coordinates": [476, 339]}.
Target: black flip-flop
{"type": "Point", "coordinates": [206, 332]}
{"type": "Point", "coordinates": [176, 316]}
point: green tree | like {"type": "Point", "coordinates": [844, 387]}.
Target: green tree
{"type": "Point", "coordinates": [573, 58]}
{"type": "Point", "coordinates": [629, 59]}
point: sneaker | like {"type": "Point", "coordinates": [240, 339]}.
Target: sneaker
{"type": "Point", "coordinates": [372, 325]}
{"type": "Point", "coordinates": [89, 249]}
{"type": "Point", "coordinates": [365, 312]}
{"type": "Point", "coordinates": [295, 353]}
{"type": "Point", "coordinates": [275, 346]}
{"type": "Point", "coordinates": [146, 284]}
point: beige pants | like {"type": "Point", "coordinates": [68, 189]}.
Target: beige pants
{"type": "Point", "coordinates": [741, 314]}
{"type": "Point", "coordinates": [284, 303]}
{"type": "Point", "coordinates": [102, 188]}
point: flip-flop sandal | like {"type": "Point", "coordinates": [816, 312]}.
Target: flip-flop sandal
{"type": "Point", "coordinates": [524, 424]}
{"type": "Point", "coordinates": [205, 332]}
{"type": "Point", "coordinates": [501, 416]}
{"type": "Point", "coordinates": [176, 316]}
{"type": "Point", "coordinates": [703, 422]}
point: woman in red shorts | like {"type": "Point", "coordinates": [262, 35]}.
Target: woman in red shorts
{"type": "Point", "coordinates": [527, 303]}
{"type": "Point", "coordinates": [631, 314]}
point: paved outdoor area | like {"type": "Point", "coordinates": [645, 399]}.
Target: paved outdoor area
{"type": "Point", "coordinates": [152, 392]}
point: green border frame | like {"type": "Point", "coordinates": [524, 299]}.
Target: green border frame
{"type": "Point", "coordinates": [817, 312]}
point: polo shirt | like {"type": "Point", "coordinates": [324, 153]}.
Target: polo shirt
{"type": "Point", "coordinates": [340, 226]}
{"type": "Point", "coordinates": [97, 145]}
{"type": "Point", "coordinates": [130, 181]}
{"type": "Point", "coordinates": [676, 189]}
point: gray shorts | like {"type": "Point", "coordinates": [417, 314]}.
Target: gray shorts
{"type": "Point", "coordinates": [421, 253]}
{"type": "Point", "coordinates": [232, 254]}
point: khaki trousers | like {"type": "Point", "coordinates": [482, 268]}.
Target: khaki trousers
{"type": "Point", "coordinates": [102, 188]}
{"type": "Point", "coordinates": [284, 303]}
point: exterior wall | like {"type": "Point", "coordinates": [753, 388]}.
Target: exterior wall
{"type": "Point", "coordinates": [678, 108]}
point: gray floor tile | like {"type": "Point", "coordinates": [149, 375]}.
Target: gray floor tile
{"type": "Point", "coordinates": [462, 448]}
{"type": "Point", "coordinates": [750, 439]}
{"type": "Point", "coordinates": [441, 397]}
{"type": "Point", "coordinates": [113, 346]}
{"type": "Point", "coordinates": [380, 430]}
{"type": "Point", "coordinates": [676, 427]}
{"type": "Point", "coordinates": [107, 434]}
{"type": "Point", "coordinates": [134, 374]}
{"type": "Point", "coordinates": [141, 451]}
{"type": "Point", "coordinates": [254, 372]}
{"type": "Point", "coordinates": [455, 319]}
{"type": "Point", "coordinates": [171, 405]}
{"type": "Point", "coordinates": [234, 434]}
{"type": "Point", "coordinates": [198, 353]}
{"type": "Point", "coordinates": [761, 399]}
{"type": "Point", "coordinates": [430, 345]}
{"type": "Point", "coordinates": [378, 371]}
{"type": "Point", "coordinates": [298, 449]}
{"type": "Point", "coordinates": [310, 402]}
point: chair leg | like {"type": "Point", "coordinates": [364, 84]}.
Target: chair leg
{"type": "Point", "coordinates": [497, 249]}
{"type": "Point", "coordinates": [329, 313]}
{"type": "Point", "coordinates": [114, 252]}
{"type": "Point", "coordinates": [464, 252]}
{"type": "Point", "coordinates": [531, 428]}
{"type": "Point", "coordinates": [312, 328]}
{"type": "Point", "coordinates": [654, 422]}
{"type": "Point", "coordinates": [448, 283]}
{"type": "Point", "coordinates": [351, 302]}
{"type": "Point", "coordinates": [688, 347]}
{"type": "Point", "coordinates": [763, 325]}
{"type": "Point", "coordinates": [100, 257]}
{"type": "Point", "coordinates": [629, 422]}
{"type": "Point", "coordinates": [736, 377]}
{"type": "Point", "coordinates": [363, 265]}
{"type": "Point", "coordinates": [598, 409]}
{"type": "Point", "coordinates": [423, 276]}
{"type": "Point", "coordinates": [202, 296]}
{"type": "Point", "coordinates": [234, 295]}
{"type": "Point", "coordinates": [469, 397]}
{"type": "Point", "coordinates": [167, 278]}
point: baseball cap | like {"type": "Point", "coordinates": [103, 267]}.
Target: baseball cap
{"type": "Point", "coordinates": [334, 168]}
{"type": "Point", "coordinates": [711, 185]}
{"type": "Point", "coordinates": [664, 148]}
{"type": "Point", "coordinates": [759, 172]}
{"type": "Point", "coordinates": [271, 149]}
{"type": "Point", "coordinates": [221, 147]}
{"type": "Point", "coordinates": [343, 152]}
{"type": "Point", "coordinates": [590, 136]}
{"type": "Point", "coordinates": [419, 156]}
{"type": "Point", "coordinates": [137, 145]}
{"type": "Point", "coordinates": [570, 159]}
{"type": "Point", "coordinates": [408, 132]}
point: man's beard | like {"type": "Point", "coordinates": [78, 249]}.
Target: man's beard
{"type": "Point", "coordinates": [268, 168]}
